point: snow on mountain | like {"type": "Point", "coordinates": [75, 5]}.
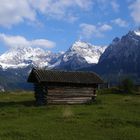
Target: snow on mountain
{"type": "Point", "coordinates": [137, 32]}
{"type": "Point", "coordinates": [5, 66]}
{"type": "Point", "coordinates": [80, 54]}
{"type": "Point", "coordinates": [85, 50]}
{"type": "Point", "coordinates": [25, 56]}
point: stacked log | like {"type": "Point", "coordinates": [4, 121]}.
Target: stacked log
{"type": "Point", "coordinates": [70, 95]}
{"type": "Point", "coordinates": [40, 94]}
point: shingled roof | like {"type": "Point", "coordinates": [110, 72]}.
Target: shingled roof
{"type": "Point", "coordinates": [51, 76]}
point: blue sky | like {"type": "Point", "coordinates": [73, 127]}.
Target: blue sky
{"type": "Point", "coordinates": [55, 24]}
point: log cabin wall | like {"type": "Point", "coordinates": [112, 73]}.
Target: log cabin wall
{"type": "Point", "coordinates": [40, 93]}
{"type": "Point", "coordinates": [70, 94]}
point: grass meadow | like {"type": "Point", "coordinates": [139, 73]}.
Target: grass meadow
{"type": "Point", "coordinates": [110, 117]}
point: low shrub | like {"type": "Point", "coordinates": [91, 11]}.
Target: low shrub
{"type": "Point", "coordinates": [127, 85]}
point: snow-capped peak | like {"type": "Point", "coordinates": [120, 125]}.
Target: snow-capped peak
{"type": "Point", "coordinates": [80, 44]}
{"type": "Point", "coordinates": [137, 32]}
{"type": "Point", "coordinates": [83, 45]}
{"type": "Point", "coordinates": [86, 51]}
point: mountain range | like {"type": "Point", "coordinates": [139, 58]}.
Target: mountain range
{"type": "Point", "coordinates": [78, 55]}
{"type": "Point", "coordinates": [120, 58]}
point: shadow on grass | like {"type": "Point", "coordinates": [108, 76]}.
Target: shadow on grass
{"type": "Point", "coordinates": [17, 103]}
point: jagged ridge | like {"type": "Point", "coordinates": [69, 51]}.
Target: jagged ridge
{"type": "Point", "coordinates": [80, 52]}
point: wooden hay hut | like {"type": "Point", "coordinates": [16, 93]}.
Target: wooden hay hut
{"type": "Point", "coordinates": [62, 87]}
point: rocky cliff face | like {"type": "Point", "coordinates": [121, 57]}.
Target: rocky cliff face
{"type": "Point", "coordinates": [122, 55]}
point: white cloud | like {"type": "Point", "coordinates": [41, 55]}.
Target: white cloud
{"type": "Point", "coordinates": [60, 9]}
{"type": "Point", "coordinates": [115, 5]}
{"type": "Point", "coordinates": [135, 11]}
{"type": "Point", "coordinates": [120, 22]}
{"type": "Point", "coordinates": [44, 43]}
{"type": "Point", "coordinates": [89, 30]}
{"type": "Point", "coordinates": [105, 27]}
{"type": "Point", "coordinates": [13, 12]}
{"type": "Point", "coordinates": [108, 4]}
{"type": "Point", "coordinates": [16, 11]}
{"type": "Point", "coordinates": [20, 41]}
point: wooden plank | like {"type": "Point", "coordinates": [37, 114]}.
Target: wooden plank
{"type": "Point", "coordinates": [70, 88]}
{"type": "Point", "coordinates": [70, 92]}
{"type": "Point", "coordinates": [52, 87]}
{"type": "Point", "coordinates": [67, 102]}
{"type": "Point", "coordinates": [71, 98]}
{"type": "Point", "coordinates": [70, 95]}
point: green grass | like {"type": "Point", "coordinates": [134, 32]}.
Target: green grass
{"type": "Point", "coordinates": [111, 117]}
